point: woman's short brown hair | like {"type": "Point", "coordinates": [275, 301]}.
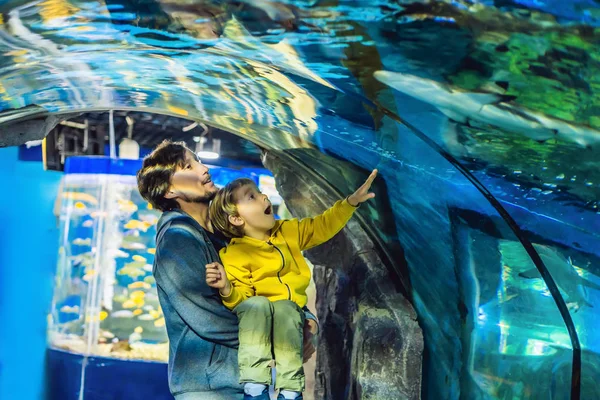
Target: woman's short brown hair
{"type": "Point", "coordinates": [154, 178]}
{"type": "Point", "coordinates": [224, 204]}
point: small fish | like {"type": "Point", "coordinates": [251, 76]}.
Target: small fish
{"type": "Point", "coordinates": [82, 242]}
{"type": "Point", "coordinates": [139, 285]}
{"type": "Point", "coordinates": [137, 312]}
{"type": "Point", "coordinates": [128, 304]}
{"type": "Point", "coordinates": [70, 310]}
{"type": "Point", "coordinates": [149, 218]}
{"type": "Point", "coordinates": [146, 317]}
{"type": "Point", "coordinates": [139, 258]}
{"type": "Point", "coordinates": [150, 280]}
{"type": "Point", "coordinates": [83, 260]}
{"type": "Point", "coordinates": [129, 245]}
{"type": "Point", "coordinates": [79, 206]}
{"type": "Point", "coordinates": [122, 314]}
{"type": "Point", "coordinates": [132, 272]}
{"type": "Point", "coordinates": [135, 264]}
{"type": "Point", "coordinates": [148, 308]}
{"type": "Point", "coordinates": [138, 294]}
{"type": "Point", "coordinates": [159, 323]}
{"type": "Point", "coordinates": [88, 223]}
{"type": "Point", "coordinates": [148, 267]}
{"type": "Point", "coordinates": [152, 250]}
{"type": "Point", "coordinates": [154, 314]}
{"type": "Point", "coordinates": [89, 275]}
{"type": "Point", "coordinates": [120, 254]}
{"type": "Point", "coordinates": [107, 334]}
{"type": "Point", "coordinates": [136, 224]}
{"type": "Point", "coordinates": [79, 196]}
{"type": "Point", "coordinates": [98, 214]}
{"type": "Point", "coordinates": [103, 315]}
{"type": "Point", "coordinates": [127, 206]}
{"type": "Point", "coordinates": [139, 329]}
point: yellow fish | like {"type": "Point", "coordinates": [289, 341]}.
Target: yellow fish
{"type": "Point", "coordinates": [138, 294]}
{"type": "Point", "coordinates": [137, 224]}
{"type": "Point", "coordinates": [152, 250]}
{"type": "Point", "coordinates": [139, 259]}
{"type": "Point", "coordinates": [138, 329]}
{"type": "Point", "coordinates": [130, 271]}
{"type": "Point", "coordinates": [89, 275]}
{"type": "Point", "coordinates": [139, 302]}
{"type": "Point", "coordinates": [139, 285]}
{"type": "Point", "coordinates": [150, 280]}
{"type": "Point", "coordinates": [80, 206]}
{"type": "Point", "coordinates": [137, 312]}
{"type": "Point", "coordinates": [135, 264]}
{"type": "Point", "coordinates": [103, 315]}
{"type": "Point", "coordinates": [159, 323]}
{"type": "Point", "coordinates": [129, 304]}
{"type": "Point", "coordinates": [79, 196]}
{"type": "Point", "coordinates": [127, 206]}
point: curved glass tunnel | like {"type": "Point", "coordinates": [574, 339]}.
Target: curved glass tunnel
{"type": "Point", "coordinates": [459, 104]}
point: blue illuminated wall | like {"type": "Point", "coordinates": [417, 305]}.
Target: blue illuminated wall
{"type": "Point", "coordinates": [28, 250]}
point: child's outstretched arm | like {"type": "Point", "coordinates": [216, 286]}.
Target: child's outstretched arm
{"type": "Point", "coordinates": [315, 231]}
{"type": "Point", "coordinates": [233, 290]}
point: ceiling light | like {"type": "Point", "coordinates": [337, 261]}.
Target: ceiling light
{"type": "Point", "coordinates": [208, 155]}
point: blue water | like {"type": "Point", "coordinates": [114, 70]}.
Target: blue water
{"type": "Point", "coordinates": [301, 75]}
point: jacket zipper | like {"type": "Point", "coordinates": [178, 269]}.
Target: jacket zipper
{"type": "Point", "coordinates": [282, 266]}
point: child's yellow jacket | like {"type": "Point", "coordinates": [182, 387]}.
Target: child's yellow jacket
{"type": "Point", "coordinates": [276, 269]}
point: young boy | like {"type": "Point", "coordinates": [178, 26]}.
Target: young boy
{"type": "Point", "coordinates": [265, 278]}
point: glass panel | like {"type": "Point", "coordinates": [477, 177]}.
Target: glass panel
{"type": "Point", "coordinates": [105, 299]}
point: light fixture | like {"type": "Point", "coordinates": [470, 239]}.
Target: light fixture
{"type": "Point", "coordinates": [129, 148]}
{"type": "Point", "coordinates": [206, 151]}
{"type": "Point", "coordinates": [208, 155]}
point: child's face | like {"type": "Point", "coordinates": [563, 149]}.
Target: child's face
{"type": "Point", "coordinates": [255, 209]}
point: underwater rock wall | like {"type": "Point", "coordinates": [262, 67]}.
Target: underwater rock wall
{"type": "Point", "coordinates": [370, 344]}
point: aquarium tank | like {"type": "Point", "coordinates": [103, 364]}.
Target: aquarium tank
{"type": "Point", "coordinates": [105, 300]}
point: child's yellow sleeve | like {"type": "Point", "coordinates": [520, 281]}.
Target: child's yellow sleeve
{"type": "Point", "coordinates": [314, 231]}
{"type": "Point", "coordinates": [239, 277]}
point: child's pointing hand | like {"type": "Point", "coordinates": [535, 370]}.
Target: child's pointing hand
{"type": "Point", "coordinates": [362, 193]}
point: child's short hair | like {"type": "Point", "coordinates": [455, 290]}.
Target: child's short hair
{"type": "Point", "coordinates": [224, 205]}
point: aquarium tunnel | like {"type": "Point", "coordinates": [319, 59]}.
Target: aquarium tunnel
{"type": "Point", "coordinates": [473, 274]}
